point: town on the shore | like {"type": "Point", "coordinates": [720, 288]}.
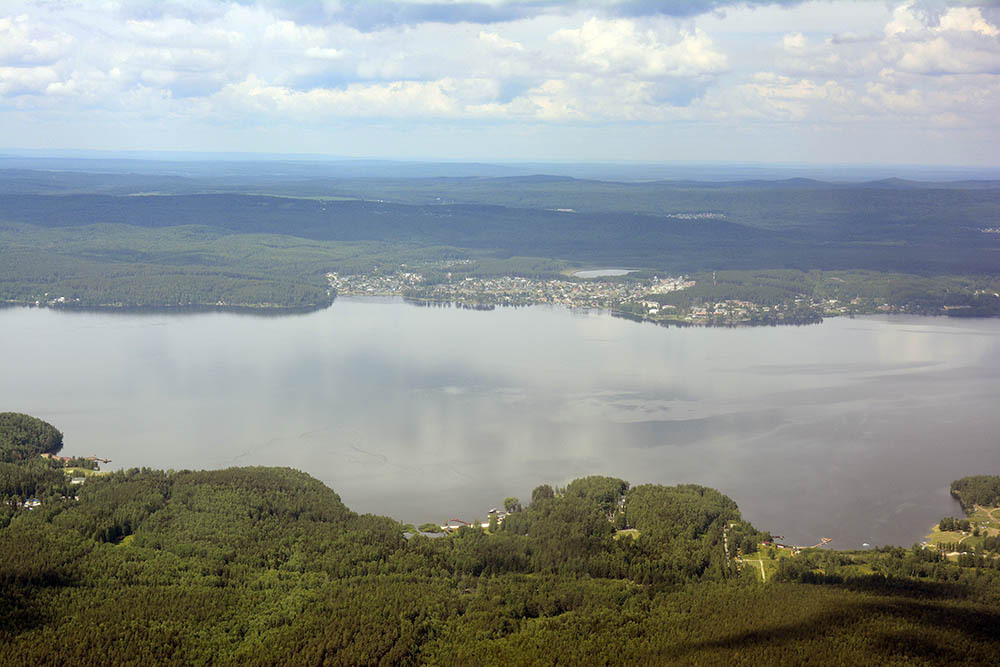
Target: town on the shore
{"type": "Point", "coordinates": [639, 299]}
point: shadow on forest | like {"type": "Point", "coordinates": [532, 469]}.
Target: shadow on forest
{"type": "Point", "coordinates": [18, 612]}
{"type": "Point", "coordinates": [881, 623]}
{"type": "Point", "coordinates": [911, 588]}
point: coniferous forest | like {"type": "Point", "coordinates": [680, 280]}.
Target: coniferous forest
{"type": "Point", "coordinates": [268, 566]}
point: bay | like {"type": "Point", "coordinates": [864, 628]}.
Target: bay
{"type": "Point", "coordinates": [852, 429]}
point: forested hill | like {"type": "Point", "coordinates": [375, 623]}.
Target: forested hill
{"type": "Point", "coordinates": [24, 437]}
{"type": "Point", "coordinates": [268, 566]}
{"type": "Point", "coordinates": [261, 238]}
{"type": "Point", "coordinates": [930, 231]}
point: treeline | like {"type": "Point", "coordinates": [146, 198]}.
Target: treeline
{"type": "Point", "coordinates": [977, 490]}
{"type": "Point", "coordinates": [952, 524]}
{"type": "Point", "coordinates": [114, 266]}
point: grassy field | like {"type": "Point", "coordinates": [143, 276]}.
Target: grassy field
{"type": "Point", "coordinates": [986, 519]}
{"type": "Point", "coordinates": [766, 558]}
{"type": "Point", "coordinates": [83, 472]}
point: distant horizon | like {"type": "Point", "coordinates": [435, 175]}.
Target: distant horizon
{"type": "Point", "coordinates": [343, 166]}
{"type": "Point", "coordinates": [180, 155]}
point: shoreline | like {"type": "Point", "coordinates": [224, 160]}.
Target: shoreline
{"type": "Point", "coordinates": [275, 310]}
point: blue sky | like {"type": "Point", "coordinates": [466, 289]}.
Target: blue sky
{"type": "Point", "coordinates": [914, 82]}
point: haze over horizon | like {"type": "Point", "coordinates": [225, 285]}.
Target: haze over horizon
{"type": "Point", "coordinates": [835, 82]}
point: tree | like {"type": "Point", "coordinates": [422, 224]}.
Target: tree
{"type": "Point", "coordinates": [512, 505]}
{"type": "Point", "coordinates": [541, 493]}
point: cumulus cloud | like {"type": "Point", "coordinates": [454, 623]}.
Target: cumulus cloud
{"type": "Point", "coordinates": [24, 43]}
{"type": "Point", "coordinates": [26, 80]}
{"type": "Point", "coordinates": [619, 46]}
{"type": "Point", "coordinates": [794, 42]}
{"type": "Point", "coordinates": [522, 62]}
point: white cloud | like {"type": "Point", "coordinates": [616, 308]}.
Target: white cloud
{"type": "Point", "coordinates": [968, 19]}
{"type": "Point", "coordinates": [496, 41]}
{"type": "Point", "coordinates": [26, 80]}
{"type": "Point", "coordinates": [904, 19]}
{"type": "Point", "coordinates": [941, 55]}
{"type": "Point", "coordinates": [620, 46]}
{"type": "Point", "coordinates": [881, 97]}
{"type": "Point", "coordinates": [387, 100]}
{"type": "Point", "coordinates": [24, 42]}
{"type": "Point", "coordinates": [775, 96]}
{"type": "Point", "coordinates": [824, 63]}
{"type": "Point", "coordinates": [324, 53]}
{"type": "Point", "coordinates": [794, 42]}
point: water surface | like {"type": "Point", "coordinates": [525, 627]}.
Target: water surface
{"type": "Point", "coordinates": [602, 273]}
{"type": "Point", "coordinates": [852, 429]}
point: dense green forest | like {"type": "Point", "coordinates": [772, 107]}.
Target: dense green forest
{"type": "Point", "coordinates": [24, 437]}
{"type": "Point", "coordinates": [267, 566]}
{"type": "Point", "coordinates": [981, 490]}
{"type": "Point", "coordinates": [90, 239]}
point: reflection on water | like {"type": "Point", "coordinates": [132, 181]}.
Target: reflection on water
{"type": "Point", "coordinates": [851, 429]}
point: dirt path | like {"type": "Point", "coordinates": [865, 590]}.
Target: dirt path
{"type": "Point", "coordinates": [759, 561]}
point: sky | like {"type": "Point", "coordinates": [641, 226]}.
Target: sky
{"type": "Point", "coordinates": [831, 82]}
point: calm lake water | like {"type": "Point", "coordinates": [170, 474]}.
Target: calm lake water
{"type": "Point", "coordinates": [852, 429]}
{"type": "Point", "coordinates": [602, 273]}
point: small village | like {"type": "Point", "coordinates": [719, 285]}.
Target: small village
{"type": "Point", "coordinates": [77, 469]}
{"type": "Point", "coordinates": [634, 299]}
{"type": "Point", "coordinates": [487, 293]}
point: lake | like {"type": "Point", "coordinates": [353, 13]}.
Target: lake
{"type": "Point", "coordinates": [602, 273]}
{"type": "Point", "coordinates": [852, 429]}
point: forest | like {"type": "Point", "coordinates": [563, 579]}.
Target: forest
{"type": "Point", "coordinates": [268, 566]}
{"type": "Point", "coordinates": [23, 437]}
{"type": "Point", "coordinates": [252, 240]}
{"type": "Point", "coordinates": [977, 490]}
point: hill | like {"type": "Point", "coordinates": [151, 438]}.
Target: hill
{"type": "Point", "coordinates": [253, 239]}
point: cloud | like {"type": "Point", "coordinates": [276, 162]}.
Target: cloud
{"type": "Point", "coordinates": [944, 56]}
{"type": "Point", "coordinates": [401, 99]}
{"type": "Point", "coordinates": [925, 39]}
{"type": "Point", "coordinates": [794, 42]}
{"type": "Point", "coordinates": [478, 64]}
{"type": "Point", "coordinates": [497, 42]}
{"type": "Point", "coordinates": [967, 19]}
{"type": "Point", "coordinates": [24, 43]}
{"type": "Point", "coordinates": [768, 95]}
{"type": "Point", "coordinates": [620, 46]}
{"type": "Point", "coordinates": [26, 80]}
{"type": "Point", "coordinates": [367, 15]}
